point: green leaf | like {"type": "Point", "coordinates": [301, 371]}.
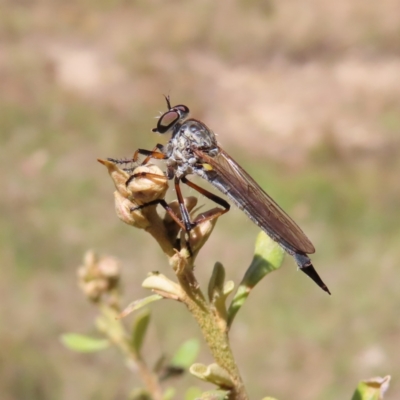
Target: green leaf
{"type": "Point", "coordinates": [186, 354]}
{"type": "Point", "coordinates": [82, 343]}
{"type": "Point", "coordinates": [372, 389]}
{"type": "Point", "coordinates": [135, 305]}
{"type": "Point", "coordinates": [139, 329]}
{"type": "Point", "coordinates": [268, 257]}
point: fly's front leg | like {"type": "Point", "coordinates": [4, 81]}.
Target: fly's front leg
{"type": "Point", "coordinates": [159, 155]}
{"type": "Point", "coordinates": [149, 155]}
{"type": "Point", "coordinates": [121, 161]}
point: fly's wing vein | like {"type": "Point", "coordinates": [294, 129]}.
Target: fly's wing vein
{"type": "Point", "coordinates": [227, 176]}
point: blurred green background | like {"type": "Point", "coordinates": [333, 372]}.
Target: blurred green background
{"type": "Point", "coordinates": [305, 95]}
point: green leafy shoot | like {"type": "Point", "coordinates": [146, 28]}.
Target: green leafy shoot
{"type": "Point", "coordinates": [371, 389]}
{"type": "Point", "coordinates": [268, 257]}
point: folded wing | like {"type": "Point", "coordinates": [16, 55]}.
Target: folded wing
{"type": "Point", "coordinates": [231, 179]}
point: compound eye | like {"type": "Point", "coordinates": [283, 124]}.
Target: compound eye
{"type": "Point", "coordinates": [181, 109]}
{"type": "Point", "coordinates": [167, 121]}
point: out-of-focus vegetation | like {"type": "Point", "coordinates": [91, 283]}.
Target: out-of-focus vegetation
{"type": "Point", "coordinates": [305, 95]}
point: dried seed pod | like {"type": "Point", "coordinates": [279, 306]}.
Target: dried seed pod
{"type": "Point", "coordinates": [149, 184]}
{"type": "Point", "coordinates": [123, 209]}
{"type": "Point", "coordinates": [118, 176]}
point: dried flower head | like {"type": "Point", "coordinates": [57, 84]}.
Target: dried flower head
{"type": "Point", "coordinates": [136, 200]}
{"type": "Point", "coordinates": [98, 276]}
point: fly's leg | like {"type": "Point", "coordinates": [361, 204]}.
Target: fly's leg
{"type": "Point", "coordinates": [143, 175]}
{"type": "Point", "coordinates": [189, 225]}
{"type": "Point", "coordinates": [120, 161]}
{"type": "Point", "coordinates": [166, 207]}
{"type": "Point", "coordinates": [211, 196]}
{"type": "Point", "coordinates": [150, 154]}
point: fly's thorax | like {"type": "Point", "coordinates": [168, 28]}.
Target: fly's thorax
{"type": "Point", "coordinates": [198, 135]}
{"type": "Point", "coordinates": [187, 137]}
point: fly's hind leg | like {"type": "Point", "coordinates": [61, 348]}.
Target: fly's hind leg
{"type": "Point", "coordinates": [211, 196]}
{"type": "Point", "coordinates": [190, 225]}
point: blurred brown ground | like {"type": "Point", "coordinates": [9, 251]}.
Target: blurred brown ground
{"type": "Point", "coordinates": [305, 95]}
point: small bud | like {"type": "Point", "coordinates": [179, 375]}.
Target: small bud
{"type": "Point", "coordinates": [98, 276]}
{"type": "Point", "coordinates": [89, 258]}
{"type": "Point", "coordinates": [109, 268]}
{"type": "Point", "coordinates": [374, 388]}
{"type": "Point", "coordinates": [163, 286]}
{"type": "Point", "coordinates": [110, 271]}
{"type": "Point", "coordinates": [212, 373]}
{"type": "Point", "coordinates": [93, 290]}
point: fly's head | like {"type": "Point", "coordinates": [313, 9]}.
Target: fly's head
{"type": "Point", "coordinates": [187, 135]}
{"type": "Point", "coordinates": [172, 119]}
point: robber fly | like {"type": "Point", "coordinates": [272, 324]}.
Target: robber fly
{"type": "Point", "coordinates": [193, 150]}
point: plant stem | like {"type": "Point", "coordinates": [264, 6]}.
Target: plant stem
{"type": "Point", "coordinates": [118, 335]}
{"type": "Point", "coordinates": [213, 329]}
{"type": "Point", "coordinates": [149, 379]}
